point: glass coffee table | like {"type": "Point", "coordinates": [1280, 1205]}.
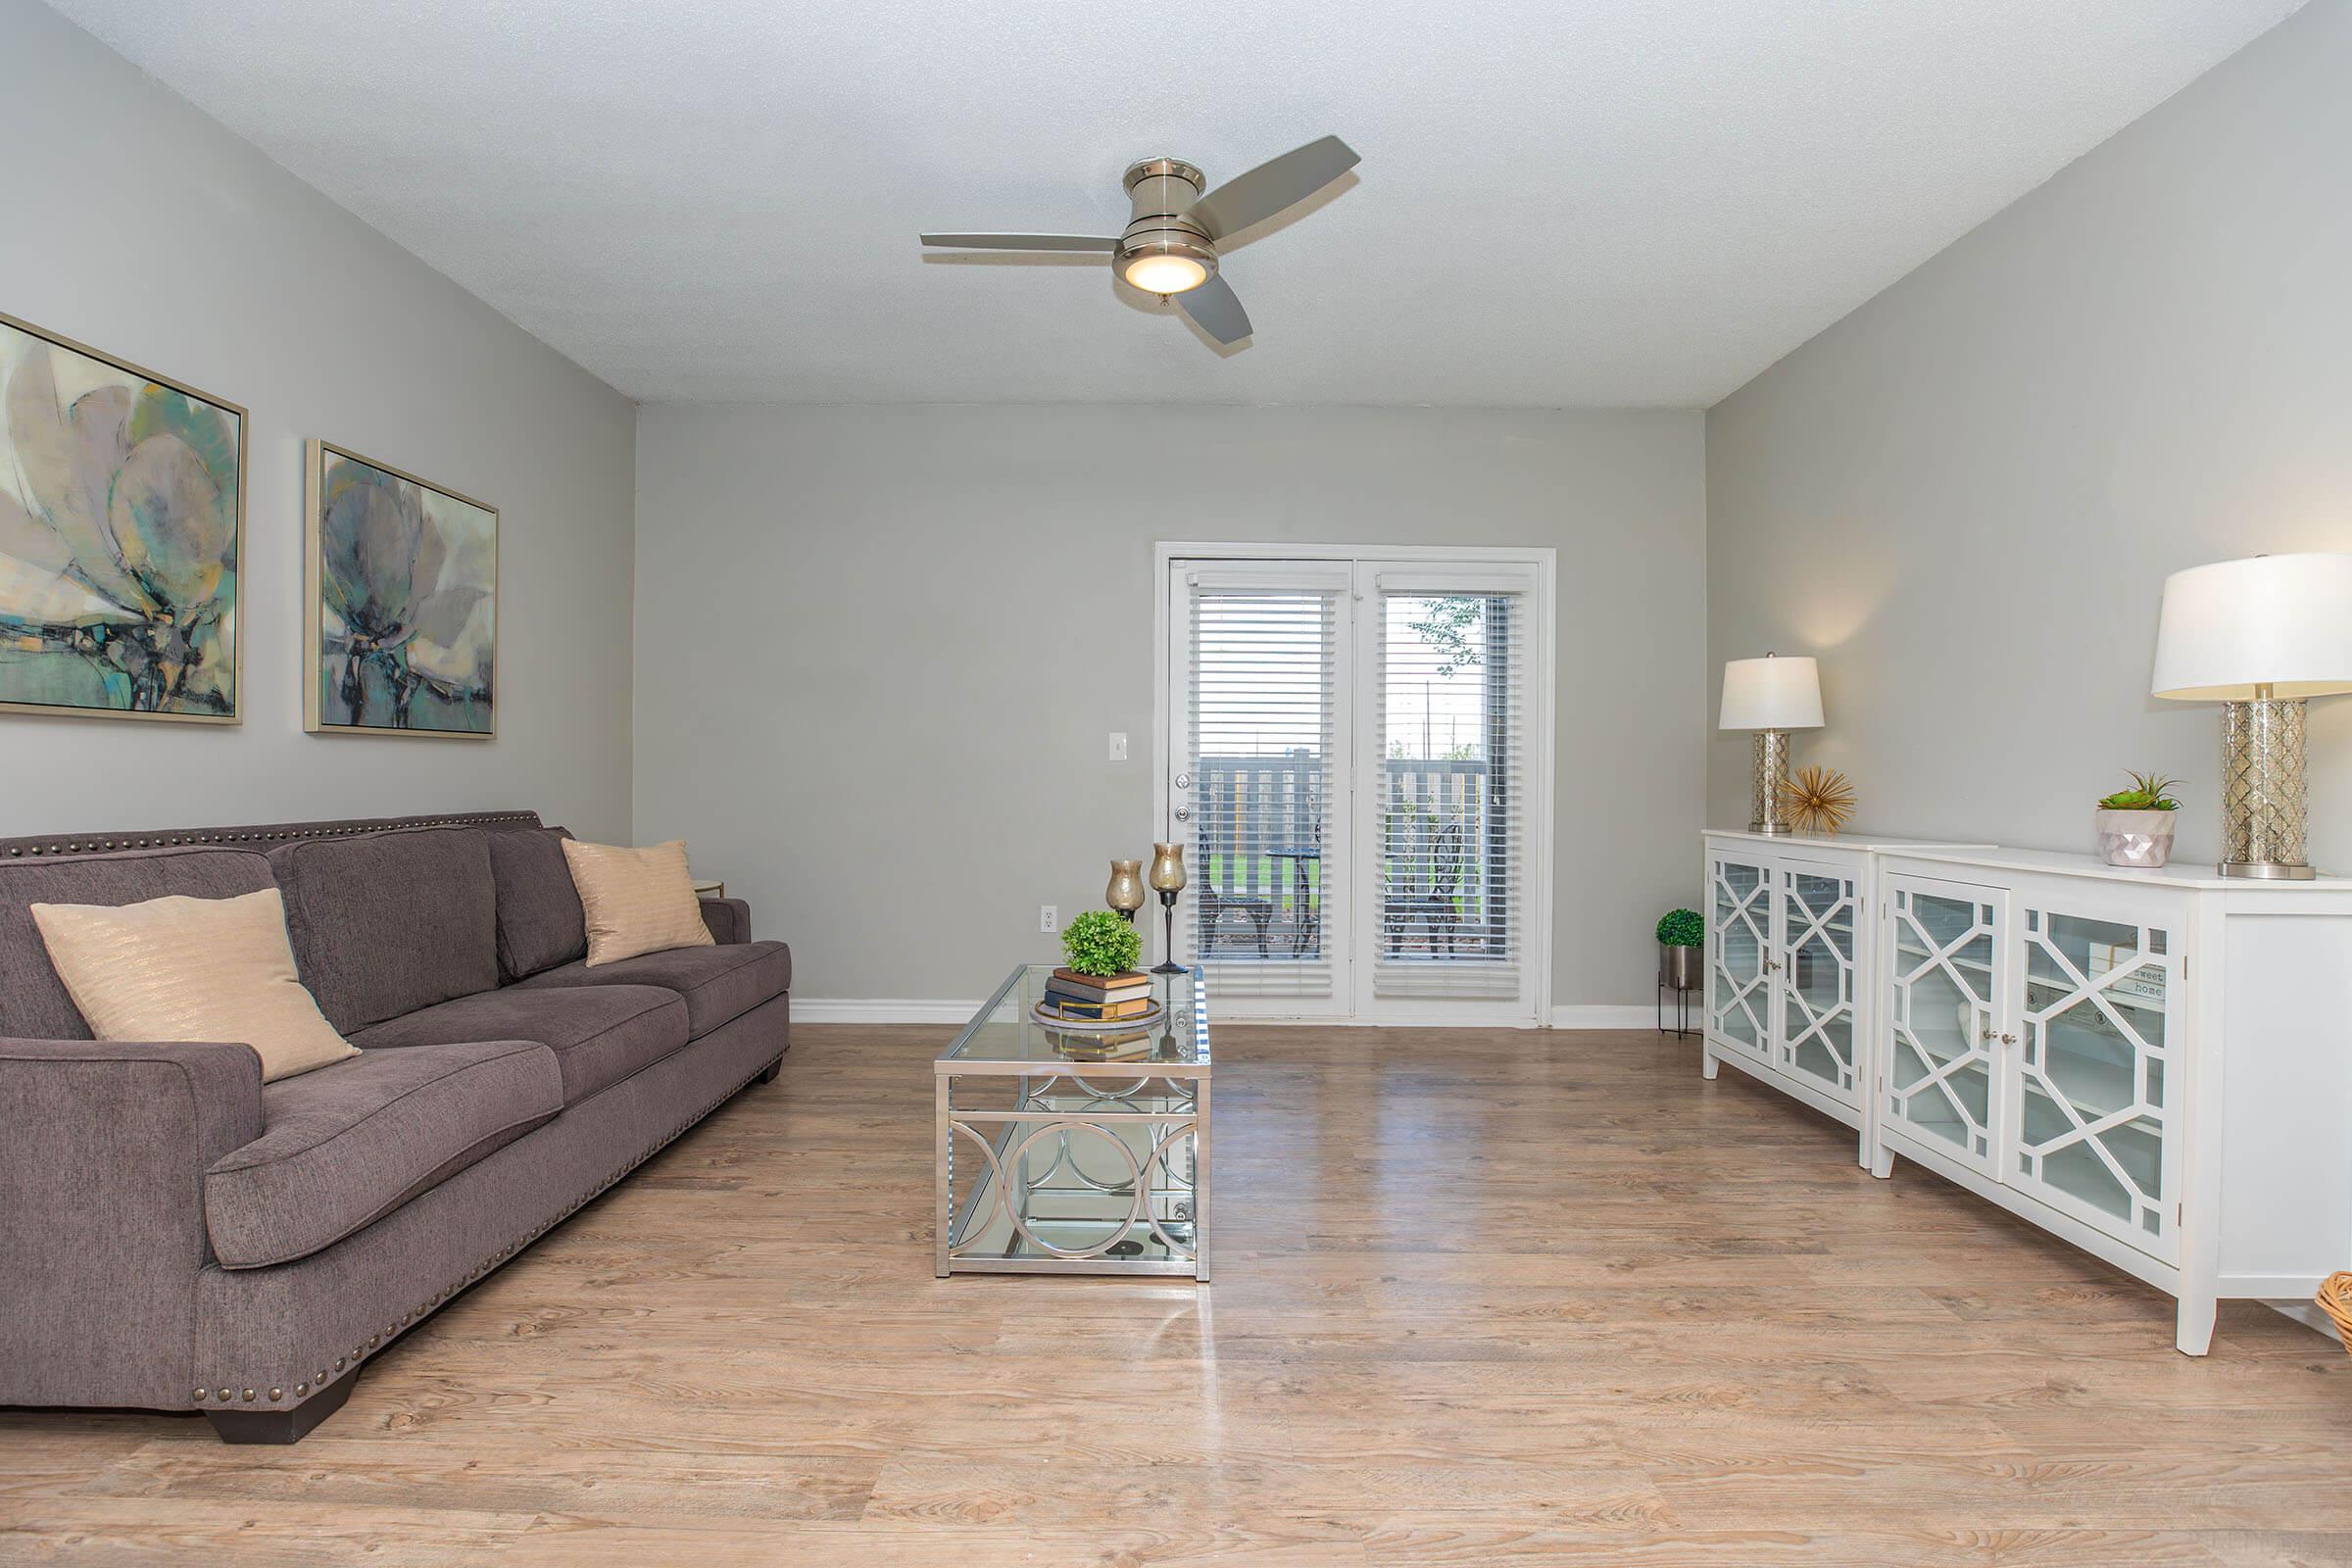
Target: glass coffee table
{"type": "Point", "coordinates": [1074, 1151]}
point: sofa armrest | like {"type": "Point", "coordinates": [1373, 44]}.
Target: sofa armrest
{"type": "Point", "coordinates": [730, 919]}
{"type": "Point", "coordinates": [102, 1212]}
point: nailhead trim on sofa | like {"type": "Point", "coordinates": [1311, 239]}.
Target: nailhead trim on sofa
{"type": "Point", "coordinates": [18, 848]}
{"type": "Point", "coordinates": [229, 1393]}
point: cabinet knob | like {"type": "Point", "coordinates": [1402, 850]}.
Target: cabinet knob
{"type": "Point", "coordinates": [1988, 1036]}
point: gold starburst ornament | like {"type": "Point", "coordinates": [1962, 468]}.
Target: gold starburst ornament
{"type": "Point", "coordinates": [1818, 800]}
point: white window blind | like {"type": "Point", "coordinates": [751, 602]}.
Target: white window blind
{"type": "Point", "coordinates": [1262, 830]}
{"type": "Point", "coordinates": [1449, 829]}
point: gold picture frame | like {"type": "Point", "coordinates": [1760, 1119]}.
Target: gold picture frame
{"type": "Point", "coordinates": [86, 619]}
{"type": "Point", "coordinates": [380, 676]}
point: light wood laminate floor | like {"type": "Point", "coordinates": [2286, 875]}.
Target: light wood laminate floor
{"type": "Point", "coordinates": [1483, 1297]}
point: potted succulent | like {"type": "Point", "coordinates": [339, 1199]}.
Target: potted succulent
{"type": "Point", "coordinates": [1681, 934]}
{"type": "Point", "coordinates": [2135, 825]}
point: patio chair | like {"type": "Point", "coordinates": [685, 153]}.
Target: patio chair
{"type": "Point", "coordinates": [1213, 904]}
{"type": "Point", "coordinates": [1433, 906]}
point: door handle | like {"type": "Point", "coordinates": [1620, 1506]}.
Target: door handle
{"type": "Point", "coordinates": [1988, 1037]}
{"type": "Point", "coordinates": [1184, 813]}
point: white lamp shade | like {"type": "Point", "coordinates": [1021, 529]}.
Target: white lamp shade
{"type": "Point", "coordinates": [1771, 693]}
{"type": "Point", "coordinates": [2283, 622]}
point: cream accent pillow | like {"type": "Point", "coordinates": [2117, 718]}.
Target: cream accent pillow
{"type": "Point", "coordinates": [182, 968]}
{"type": "Point", "coordinates": [637, 901]}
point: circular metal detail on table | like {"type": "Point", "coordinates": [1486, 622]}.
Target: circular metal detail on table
{"type": "Point", "coordinates": [1020, 1151]}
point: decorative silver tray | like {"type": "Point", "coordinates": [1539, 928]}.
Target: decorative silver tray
{"type": "Point", "coordinates": [1043, 1014]}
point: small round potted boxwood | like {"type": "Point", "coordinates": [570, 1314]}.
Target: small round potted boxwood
{"type": "Point", "coordinates": [1099, 943]}
{"type": "Point", "coordinates": [1681, 934]}
{"type": "Point", "coordinates": [2135, 825]}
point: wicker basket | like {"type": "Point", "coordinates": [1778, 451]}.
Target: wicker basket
{"type": "Point", "coordinates": [2336, 1300]}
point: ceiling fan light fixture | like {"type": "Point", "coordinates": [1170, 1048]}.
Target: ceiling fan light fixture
{"type": "Point", "coordinates": [1170, 246]}
{"type": "Point", "coordinates": [1165, 274]}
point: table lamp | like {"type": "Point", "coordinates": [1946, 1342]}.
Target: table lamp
{"type": "Point", "coordinates": [2261, 635]}
{"type": "Point", "coordinates": [1771, 696]}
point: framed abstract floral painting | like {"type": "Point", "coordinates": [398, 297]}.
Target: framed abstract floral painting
{"type": "Point", "coordinates": [400, 588]}
{"type": "Point", "coordinates": [122, 530]}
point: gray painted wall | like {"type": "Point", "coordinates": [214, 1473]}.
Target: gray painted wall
{"type": "Point", "coordinates": [879, 651]}
{"type": "Point", "coordinates": [1963, 498]}
{"type": "Point", "coordinates": [134, 223]}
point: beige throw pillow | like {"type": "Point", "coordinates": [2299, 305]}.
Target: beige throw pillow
{"type": "Point", "coordinates": [192, 969]}
{"type": "Point", "coordinates": [637, 901]}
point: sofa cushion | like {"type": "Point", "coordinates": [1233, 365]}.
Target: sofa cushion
{"type": "Point", "coordinates": [191, 970]}
{"type": "Point", "coordinates": [718, 982]}
{"type": "Point", "coordinates": [600, 1035]}
{"type": "Point", "coordinates": [34, 1003]}
{"type": "Point", "coordinates": [389, 922]}
{"type": "Point", "coordinates": [540, 922]}
{"type": "Point", "coordinates": [345, 1144]}
{"type": "Point", "coordinates": [636, 900]}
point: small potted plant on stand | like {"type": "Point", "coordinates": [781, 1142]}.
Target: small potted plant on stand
{"type": "Point", "coordinates": [2135, 825]}
{"type": "Point", "coordinates": [1681, 935]}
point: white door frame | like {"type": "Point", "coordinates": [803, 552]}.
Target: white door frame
{"type": "Point", "coordinates": [1337, 869]}
{"type": "Point", "coordinates": [1542, 703]}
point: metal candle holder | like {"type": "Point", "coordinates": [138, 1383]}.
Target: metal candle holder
{"type": "Point", "coordinates": [1167, 880]}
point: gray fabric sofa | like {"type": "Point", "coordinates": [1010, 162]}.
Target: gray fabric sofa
{"type": "Point", "coordinates": [177, 1235]}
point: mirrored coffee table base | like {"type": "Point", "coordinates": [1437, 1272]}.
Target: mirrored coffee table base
{"type": "Point", "coordinates": [1074, 1153]}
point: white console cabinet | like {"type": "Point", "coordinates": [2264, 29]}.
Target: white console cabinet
{"type": "Point", "coordinates": [2153, 1066]}
{"type": "Point", "coordinates": [1790, 940]}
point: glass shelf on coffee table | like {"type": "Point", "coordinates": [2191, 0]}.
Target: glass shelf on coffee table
{"type": "Point", "coordinates": [1074, 1150]}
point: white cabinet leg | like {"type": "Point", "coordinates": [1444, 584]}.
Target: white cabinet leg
{"type": "Point", "coordinates": [1708, 1067]}
{"type": "Point", "coordinates": [2193, 1330]}
{"type": "Point", "coordinates": [1881, 1162]}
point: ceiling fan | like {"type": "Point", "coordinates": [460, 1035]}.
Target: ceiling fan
{"type": "Point", "coordinates": [1170, 246]}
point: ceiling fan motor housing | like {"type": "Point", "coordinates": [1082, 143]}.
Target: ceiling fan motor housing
{"type": "Point", "coordinates": [1163, 191]}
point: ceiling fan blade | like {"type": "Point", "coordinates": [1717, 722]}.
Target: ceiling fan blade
{"type": "Point", "coordinates": [1273, 185]}
{"type": "Point", "coordinates": [1025, 242]}
{"type": "Point", "coordinates": [1215, 310]}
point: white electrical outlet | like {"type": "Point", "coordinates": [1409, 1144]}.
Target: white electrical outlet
{"type": "Point", "coordinates": [1118, 746]}
{"type": "Point", "coordinates": [1049, 918]}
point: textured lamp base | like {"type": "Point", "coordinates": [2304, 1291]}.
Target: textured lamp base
{"type": "Point", "coordinates": [1769, 780]}
{"type": "Point", "coordinates": [2265, 795]}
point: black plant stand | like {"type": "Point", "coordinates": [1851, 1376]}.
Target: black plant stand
{"type": "Point", "coordinates": [1682, 1009]}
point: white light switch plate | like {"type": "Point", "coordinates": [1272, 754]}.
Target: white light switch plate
{"type": "Point", "coordinates": [1118, 746]}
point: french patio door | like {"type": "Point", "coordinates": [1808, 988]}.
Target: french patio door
{"type": "Point", "coordinates": [1354, 756]}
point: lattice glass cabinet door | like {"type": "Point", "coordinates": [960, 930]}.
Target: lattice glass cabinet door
{"type": "Point", "coordinates": [1819, 905]}
{"type": "Point", "coordinates": [1739, 961]}
{"type": "Point", "coordinates": [1945, 950]}
{"type": "Point", "coordinates": [2093, 1084]}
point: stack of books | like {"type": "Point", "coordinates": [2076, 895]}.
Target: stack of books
{"type": "Point", "coordinates": [1096, 998]}
{"type": "Point", "coordinates": [1124, 1045]}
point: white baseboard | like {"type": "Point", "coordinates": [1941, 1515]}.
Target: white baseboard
{"type": "Point", "coordinates": [882, 1009]}
{"type": "Point", "coordinates": [1603, 1015]}
{"type": "Point", "coordinates": [885, 1010]}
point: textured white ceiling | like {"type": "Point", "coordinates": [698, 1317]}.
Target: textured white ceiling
{"type": "Point", "coordinates": [1561, 202]}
